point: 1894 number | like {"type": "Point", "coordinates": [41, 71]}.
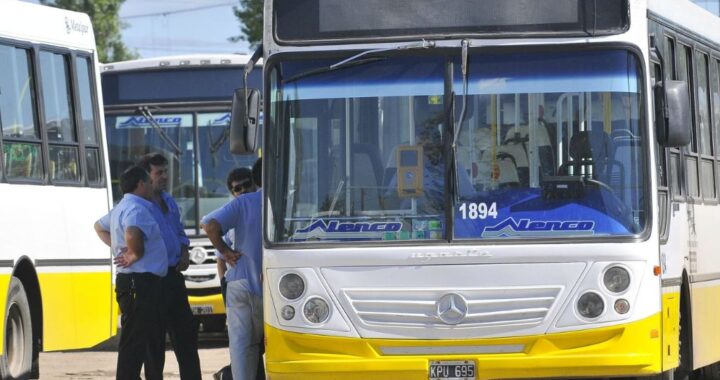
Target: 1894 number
{"type": "Point", "coordinates": [480, 210]}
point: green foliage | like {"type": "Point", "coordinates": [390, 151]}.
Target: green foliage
{"type": "Point", "coordinates": [250, 15]}
{"type": "Point", "coordinates": [106, 24]}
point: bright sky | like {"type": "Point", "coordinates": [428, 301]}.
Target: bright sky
{"type": "Point", "coordinates": [162, 27]}
{"type": "Point", "coordinates": [170, 27]}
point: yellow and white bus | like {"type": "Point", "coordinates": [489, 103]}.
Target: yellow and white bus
{"type": "Point", "coordinates": [55, 274]}
{"type": "Point", "coordinates": [180, 106]}
{"type": "Point", "coordinates": [489, 189]}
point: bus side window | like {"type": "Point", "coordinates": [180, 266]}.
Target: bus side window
{"type": "Point", "coordinates": [88, 106]}
{"type": "Point", "coordinates": [715, 90]}
{"type": "Point", "coordinates": [21, 155]}
{"type": "Point", "coordinates": [60, 128]}
{"type": "Point", "coordinates": [707, 172]}
{"type": "Point", "coordinates": [685, 73]}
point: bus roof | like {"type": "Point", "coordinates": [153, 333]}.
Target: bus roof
{"type": "Point", "coordinates": [178, 61]}
{"type": "Point", "coordinates": [45, 25]}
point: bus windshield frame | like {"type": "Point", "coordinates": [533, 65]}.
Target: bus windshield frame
{"type": "Point", "coordinates": [191, 132]}
{"type": "Point", "coordinates": [575, 184]}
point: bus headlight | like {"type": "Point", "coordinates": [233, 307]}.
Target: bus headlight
{"type": "Point", "coordinates": [287, 312]}
{"type": "Point", "coordinates": [292, 286]}
{"type": "Point", "coordinates": [590, 305]}
{"type": "Point", "coordinates": [316, 310]}
{"type": "Point", "coordinates": [622, 306]}
{"type": "Point", "coordinates": [616, 279]}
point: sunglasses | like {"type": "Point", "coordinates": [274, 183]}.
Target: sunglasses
{"type": "Point", "coordinates": [240, 188]}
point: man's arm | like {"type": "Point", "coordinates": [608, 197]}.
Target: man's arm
{"type": "Point", "coordinates": [221, 267]}
{"type": "Point", "coordinates": [179, 227]}
{"type": "Point", "coordinates": [103, 234]}
{"type": "Point", "coordinates": [214, 231]}
{"type": "Point", "coordinates": [135, 241]}
{"type": "Point", "coordinates": [184, 262]}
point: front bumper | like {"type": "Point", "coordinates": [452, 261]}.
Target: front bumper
{"type": "Point", "coordinates": [630, 349]}
{"type": "Point", "coordinates": [215, 302]}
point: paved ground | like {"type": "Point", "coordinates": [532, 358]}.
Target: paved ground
{"type": "Point", "coordinates": [91, 365]}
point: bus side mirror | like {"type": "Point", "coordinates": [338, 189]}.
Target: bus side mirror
{"type": "Point", "coordinates": [244, 121]}
{"type": "Point", "coordinates": [672, 113]}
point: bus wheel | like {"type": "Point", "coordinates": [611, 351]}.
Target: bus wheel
{"type": "Point", "coordinates": [711, 372]}
{"type": "Point", "coordinates": [16, 362]}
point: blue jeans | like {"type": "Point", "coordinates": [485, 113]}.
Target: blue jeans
{"type": "Point", "coordinates": [245, 329]}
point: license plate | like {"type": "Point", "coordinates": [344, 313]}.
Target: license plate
{"type": "Point", "coordinates": [202, 309]}
{"type": "Point", "coordinates": [452, 370]}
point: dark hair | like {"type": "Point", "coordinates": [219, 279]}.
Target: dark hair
{"type": "Point", "coordinates": [257, 172]}
{"type": "Point", "coordinates": [154, 159]}
{"type": "Point", "coordinates": [241, 175]}
{"type": "Point", "coordinates": [131, 177]}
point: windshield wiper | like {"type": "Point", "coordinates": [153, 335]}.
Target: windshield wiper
{"type": "Point", "coordinates": [145, 111]}
{"type": "Point", "coordinates": [356, 61]}
{"type": "Point", "coordinates": [459, 124]}
{"type": "Point", "coordinates": [336, 196]}
{"type": "Point", "coordinates": [217, 144]}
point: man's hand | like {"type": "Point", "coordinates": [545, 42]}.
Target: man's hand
{"type": "Point", "coordinates": [125, 258]}
{"type": "Point", "coordinates": [214, 231]}
{"type": "Point", "coordinates": [231, 256]}
{"type": "Point", "coordinates": [184, 262]}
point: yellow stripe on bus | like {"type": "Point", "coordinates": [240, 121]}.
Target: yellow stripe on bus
{"type": "Point", "coordinates": [629, 349]}
{"type": "Point", "coordinates": [76, 309]}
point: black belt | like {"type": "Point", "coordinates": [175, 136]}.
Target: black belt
{"type": "Point", "coordinates": [139, 274]}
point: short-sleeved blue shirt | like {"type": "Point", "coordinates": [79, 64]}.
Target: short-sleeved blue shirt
{"type": "Point", "coordinates": [134, 211]}
{"type": "Point", "coordinates": [244, 215]}
{"type": "Point", "coordinates": [171, 227]}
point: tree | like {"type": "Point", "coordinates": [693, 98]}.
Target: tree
{"type": "Point", "coordinates": [250, 15]}
{"type": "Point", "coordinates": [104, 15]}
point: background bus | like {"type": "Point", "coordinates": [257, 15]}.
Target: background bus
{"type": "Point", "coordinates": [180, 106]}
{"type": "Point", "coordinates": [490, 190]}
{"type": "Point", "coordinates": [55, 274]}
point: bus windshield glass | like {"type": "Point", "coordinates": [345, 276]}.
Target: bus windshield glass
{"type": "Point", "coordinates": [550, 146]}
{"type": "Point", "coordinates": [131, 136]}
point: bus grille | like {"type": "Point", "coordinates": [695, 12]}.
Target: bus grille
{"type": "Point", "coordinates": [483, 306]}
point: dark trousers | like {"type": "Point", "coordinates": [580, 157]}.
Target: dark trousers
{"type": "Point", "coordinates": [180, 325]}
{"type": "Point", "coordinates": [139, 296]}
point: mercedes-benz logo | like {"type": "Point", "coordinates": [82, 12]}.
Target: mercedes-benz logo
{"type": "Point", "coordinates": [452, 308]}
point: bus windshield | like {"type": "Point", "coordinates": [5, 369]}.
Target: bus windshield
{"type": "Point", "coordinates": [131, 136]}
{"type": "Point", "coordinates": [549, 145]}
{"type": "Point", "coordinates": [184, 114]}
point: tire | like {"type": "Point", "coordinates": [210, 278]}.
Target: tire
{"type": "Point", "coordinates": [669, 375]}
{"type": "Point", "coordinates": [16, 362]}
{"type": "Point", "coordinates": [711, 372]}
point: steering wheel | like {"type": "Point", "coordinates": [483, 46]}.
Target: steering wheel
{"type": "Point", "coordinates": [621, 206]}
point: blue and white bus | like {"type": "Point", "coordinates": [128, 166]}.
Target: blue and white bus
{"type": "Point", "coordinates": [180, 106]}
{"type": "Point", "coordinates": [476, 189]}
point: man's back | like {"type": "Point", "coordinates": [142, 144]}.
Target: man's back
{"type": "Point", "coordinates": [133, 211]}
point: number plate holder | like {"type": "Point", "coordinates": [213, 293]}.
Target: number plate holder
{"type": "Point", "coordinates": [452, 370]}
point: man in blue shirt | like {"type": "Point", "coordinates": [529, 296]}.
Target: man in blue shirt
{"type": "Point", "coordinates": [141, 260]}
{"type": "Point", "coordinates": [244, 287]}
{"type": "Point", "coordinates": [239, 181]}
{"type": "Point", "coordinates": [180, 323]}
